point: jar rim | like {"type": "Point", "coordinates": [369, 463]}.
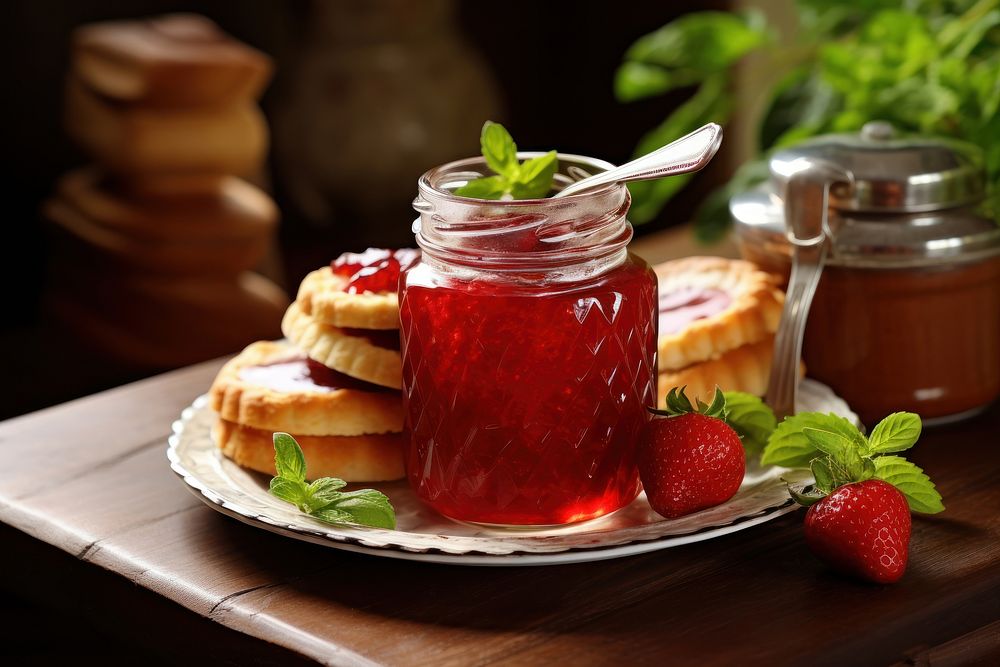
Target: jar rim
{"type": "Point", "coordinates": [428, 181]}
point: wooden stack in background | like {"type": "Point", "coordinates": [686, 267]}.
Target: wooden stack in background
{"type": "Point", "coordinates": [153, 246]}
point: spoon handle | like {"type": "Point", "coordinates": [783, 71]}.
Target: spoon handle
{"type": "Point", "coordinates": [807, 200]}
{"type": "Point", "coordinates": [689, 153]}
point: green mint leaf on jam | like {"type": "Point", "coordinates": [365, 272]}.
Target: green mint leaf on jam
{"type": "Point", "coordinates": [491, 187]}
{"type": "Point", "coordinates": [531, 179]}
{"type": "Point", "coordinates": [499, 149]}
{"type": "Point", "coordinates": [789, 447]}
{"type": "Point", "coordinates": [288, 458]}
{"type": "Point", "coordinates": [837, 453]}
{"type": "Point", "coordinates": [535, 178]}
{"type": "Point", "coordinates": [921, 495]}
{"type": "Point", "coordinates": [897, 432]}
{"type": "Point", "coordinates": [322, 498]}
{"type": "Point", "coordinates": [751, 418]}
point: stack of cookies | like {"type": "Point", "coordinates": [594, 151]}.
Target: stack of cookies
{"type": "Point", "coordinates": [717, 323]}
{"type": "Point", "coordinates": [334, 384]}
{"type": "Point", "coordinates": [152, 246]}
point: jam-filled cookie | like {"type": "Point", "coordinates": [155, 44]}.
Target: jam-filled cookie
{"type": "Point", "coordinates": [710, 306]}
{"type": "Point", "coordinates": [745, 368]}
{"type": "Point", "coordinates": [358, 458]}
{"type": "Point", "coordinates": [357, 290]}
{"type": "Point", "coordinates": [366, 354]}
{"type": "Point", "coordinates": [272, 386]}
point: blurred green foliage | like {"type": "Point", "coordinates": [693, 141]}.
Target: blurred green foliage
{"type": "Point", "coordinates": [927, 66]}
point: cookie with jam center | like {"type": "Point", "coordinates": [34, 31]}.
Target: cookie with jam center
{"type": "Point", "coordinates": [366, 354]}
{"type": "Point", "coordinates": [357, 290]}
{"type": "Point", "coordinates": [272, 386]}
{"type": "Point", "coordinates": [710, 306]}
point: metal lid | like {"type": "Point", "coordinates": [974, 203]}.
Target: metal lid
{"type": "Point", "coordinates": [867, 240]}
{"type": "Point", "coordinates": [894, 174]}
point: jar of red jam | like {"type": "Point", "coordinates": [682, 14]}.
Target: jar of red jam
{"type": "Point", "coordinates": [529, 343]}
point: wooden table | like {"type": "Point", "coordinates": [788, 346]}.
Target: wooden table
{"type": "Point", "coordinates": [97, 525]}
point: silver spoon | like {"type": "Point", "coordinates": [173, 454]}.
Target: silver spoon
{"type": "Point", "coordinates": [689, 153]}
{"type": "Point", "coordinates": [807, 218]}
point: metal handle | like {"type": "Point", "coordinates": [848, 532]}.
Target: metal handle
{"type": "Point", "coordinates": [807, 200]}
{"type": "Point", "coordinates": [689, 153]}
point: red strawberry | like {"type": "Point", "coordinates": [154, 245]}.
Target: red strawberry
{"type": "Point", "coordinates": [862, 529]}
{"type": "Point", "coordinates": [689, 460]}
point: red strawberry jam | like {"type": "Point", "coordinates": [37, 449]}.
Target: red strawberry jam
{"type": "Point", "coordinates": [374, 270]}
{"type": "Point", "coordinates": [303, 374]}
{"type": "Point", "coordinates": [385, 338]}
{"type": "Point", "coordinates": [525, 402]}
{"type": "Point", "coordinates": [681, 307]}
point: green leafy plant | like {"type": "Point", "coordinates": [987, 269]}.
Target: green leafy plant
{"type": "Point", "coordinates": [322, 498]}
{"type": "Point", "coordinates": [531, 179]}
{"type": "Point", "coordinates": [926, 66]}
{"type": "Point", "coordinates": [837, 453]}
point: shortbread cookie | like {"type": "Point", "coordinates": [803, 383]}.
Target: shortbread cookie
{"type": "Point", "coordinates": [322, 297]}
{"type": "Point", "coordinates": [359, 458]}
{"type": "Point", "coordinates": [746, 368]}
{"type": "Point", "coordinates": [710, 305]}
{"type": "Point", "coordinates": [358, 289]}
{"type": "Point", "coordinates": [350, 352]}
{"type": "Point", "coordinates": [269, 386]}
{"type": "Point", "coordinates": [172, 61]}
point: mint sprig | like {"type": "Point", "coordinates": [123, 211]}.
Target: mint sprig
{"type": "Point", "coordinates": [837, 453]}
{"type": "Point", "coordinates": [322, 498]}
{"type": "Point", "coordinates": [531, 179]}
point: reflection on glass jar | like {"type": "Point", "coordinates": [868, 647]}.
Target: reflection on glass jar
{"type": "Point", "coordinates": [529, 341]}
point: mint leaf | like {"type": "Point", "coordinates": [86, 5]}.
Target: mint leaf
{"type": "Point", "coordinates": [289, 490]}
{"type": "Point", "coordinates": [288, 458]}
{"type": "Point", "coordinates": [490, 187]}
{"type": "Point", "coordinates": [895, 433]}
{"type": "Point", "coordinates": [324, 491]}
{"type": "Point", "coordinates": [535, 178]}
{"type": "Point", "coordinates": [921, 495]}
{"type": "Point", "coordinates": [531, 179]}
{"type": "Point", "coordinates": [368, 507]}
{"type": "Point", "coordinates": [788, 446]}
{"type": "Point", "coordinates": [322, 498]}
{"type": "Point", "coordinates": [751, 418]}
{"type": "Point", "coordinates": [332, 515]}
{"type": "Point", "coordinates": [499, 149]}
{"type": "Point", "coordinates": [823, 474]}
{"type": "Point", "coordinates": [829, 442]}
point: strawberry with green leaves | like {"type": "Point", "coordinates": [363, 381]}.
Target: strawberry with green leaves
{"type": "Point", "coordinates": [692, 458]}
{"type": "Point", "coordinates": [859, 514]}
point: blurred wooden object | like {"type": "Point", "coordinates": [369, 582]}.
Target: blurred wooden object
{"type": "Point", "coordinates": [141, 140]}
{"type": "Point", "coordinates": [151, 248]}
{"type": "Point", "coordinates": [173, 61]}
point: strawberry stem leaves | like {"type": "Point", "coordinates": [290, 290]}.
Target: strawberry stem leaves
{"type": "Point", "coordinates": [745, 413]}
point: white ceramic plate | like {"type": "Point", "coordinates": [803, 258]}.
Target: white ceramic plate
{"type": "Point", "coordinates": [424, 535]}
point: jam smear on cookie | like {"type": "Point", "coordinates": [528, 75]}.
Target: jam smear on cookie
{"type": "Point", "coordinates": [384, 338]}
{"type": "Point", "coordinates": [681, 307]}
{"type": "Point", "coordinates": [374, 270]}
{"type": "Point", "coordinates": [303, 374]}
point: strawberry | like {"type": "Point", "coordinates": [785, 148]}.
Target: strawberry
{"type": "Point", "coordinates": [690, 459]}
{"type": "Point", "coordinates": [862, 529]}
{"type": "Point", "coordinates": [859, 509]}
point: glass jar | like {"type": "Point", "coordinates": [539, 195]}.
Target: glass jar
{"type": "Point", "coordinates": [529, 343]}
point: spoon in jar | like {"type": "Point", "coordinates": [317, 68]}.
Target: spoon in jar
{"type": "Point", "coordinates": [689, 153]}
